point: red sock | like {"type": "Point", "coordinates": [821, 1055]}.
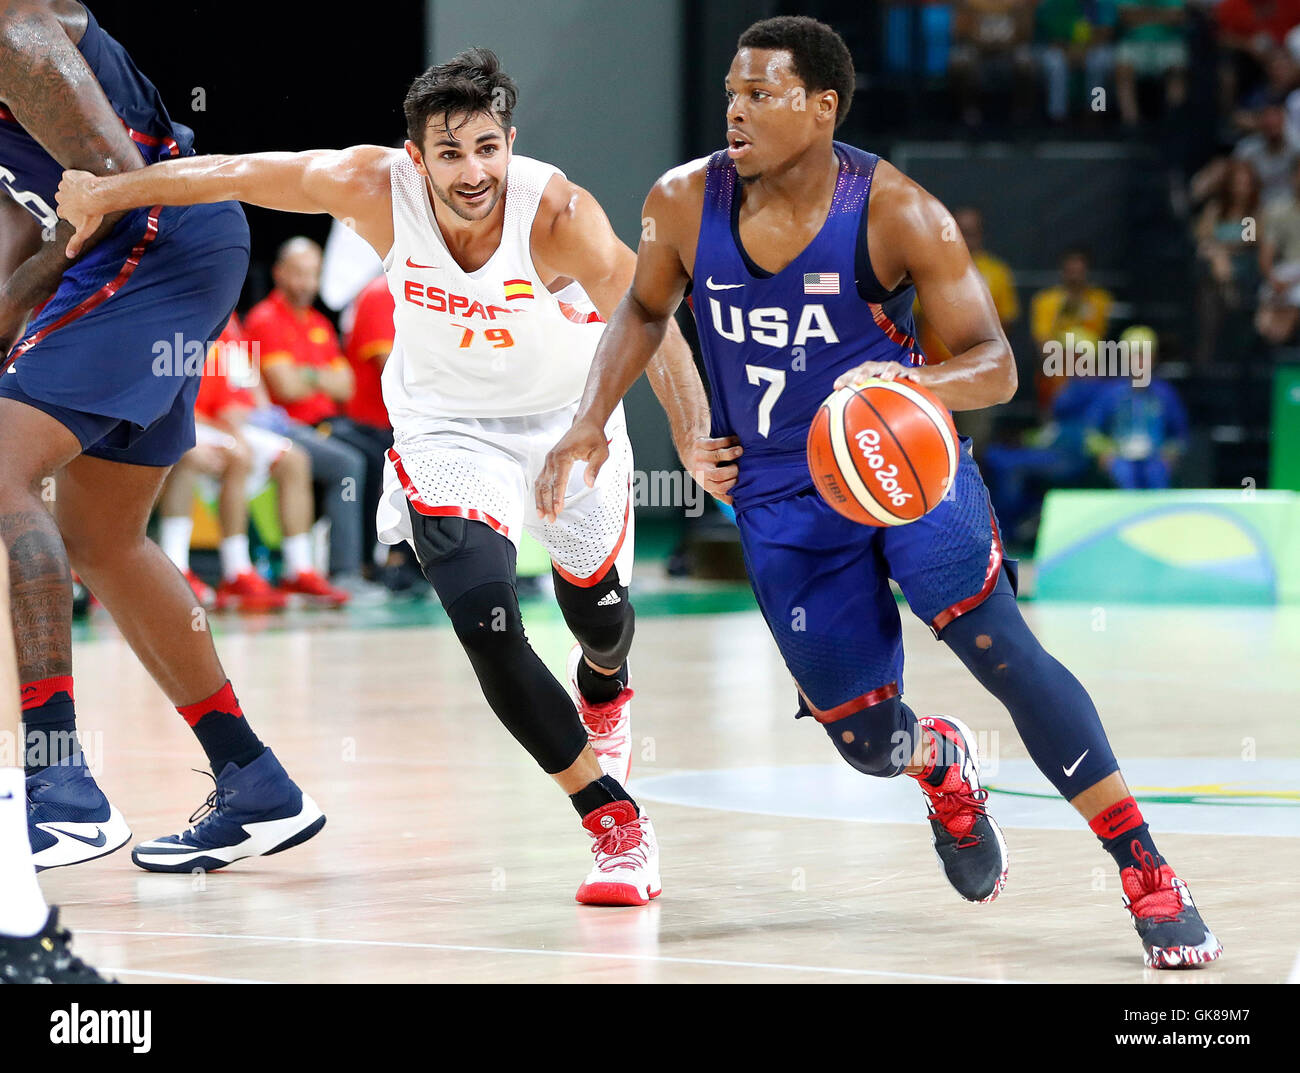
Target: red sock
{"type": "Point", "coordinates": [1124, 833]}
{"type": "Point", "coordinates": [1116, 819]}
{"type": "Point", "coordinates": [49, 723]}
{"type": "Point", "coordinates": [219, 724]}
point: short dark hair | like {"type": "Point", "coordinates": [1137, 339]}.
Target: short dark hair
{"type": "Point", "coordinates": [470, 83]}
{"type": "Point", "coordinates": [1077, 250]}
{"type": "Point", "coordinates": [821, 58]}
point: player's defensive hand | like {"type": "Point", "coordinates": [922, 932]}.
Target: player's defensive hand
{"type": "Point", "coordinates": [584, 442]}
{"type": "Point", "coordinates": [712, 462]}
{"type": "Point", "coordinates": [76, 204]}
{"type": "Point", "coordinates": [875, 370]}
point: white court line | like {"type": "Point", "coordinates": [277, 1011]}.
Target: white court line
{"type": "Point", "coordinates": [1294, 978]}
{"type": "Point", "coordinates": [178, 975]}
{"type": "Point", "coordinates": [557, 953]}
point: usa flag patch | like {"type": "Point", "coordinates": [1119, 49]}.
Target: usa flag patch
{"type": "Point", "coordinates": [821, 283]}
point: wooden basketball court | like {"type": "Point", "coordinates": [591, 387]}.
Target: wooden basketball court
{"type": "Point", "coordinates": [449, 857]}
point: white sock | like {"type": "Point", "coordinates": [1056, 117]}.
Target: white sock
{"type": "Point", "coordinates": [22, 907]}
{"type": "Point", "coordinates": [234, 556]}
{"type": "Point", "coordinates": [174, 539]}
{"type": "Point", "coordinates": [296, 551]}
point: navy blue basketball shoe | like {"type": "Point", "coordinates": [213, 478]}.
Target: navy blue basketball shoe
{"type": "Point", "coordinates": [253, 811]}
{"type": "Point", "coordinates": [969, 845]}
{"type": "Point", "coordinates": [69, 820]}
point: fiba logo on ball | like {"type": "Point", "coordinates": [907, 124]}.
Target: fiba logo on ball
{"type": "Point", "coordinates": [883, 453]}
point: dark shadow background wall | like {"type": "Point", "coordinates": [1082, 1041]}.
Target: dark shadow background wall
{"type": "Point", "coordinates": [253, 77]}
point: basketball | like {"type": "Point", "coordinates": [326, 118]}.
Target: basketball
{"type": "Point", "coordinates": [884, 453]}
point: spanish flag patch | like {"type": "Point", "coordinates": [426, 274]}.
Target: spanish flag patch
{"type": "Point", "coordinates": [518, 288]}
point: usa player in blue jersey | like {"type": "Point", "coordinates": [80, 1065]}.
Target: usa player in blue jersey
{"type": "Point", "coordinates": [90, 423]}
{"type": "Point", "coordinates": [801, 257]}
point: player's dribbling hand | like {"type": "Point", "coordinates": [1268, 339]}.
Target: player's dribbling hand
{"type": "Point", "coordinates": [712, 463]}
{"type": "Point", "coordinates": [874, 370]}
{"type": "Point", "coordinates": [584, 442]}
{"type": "Point", "coordinates": [75, 202]}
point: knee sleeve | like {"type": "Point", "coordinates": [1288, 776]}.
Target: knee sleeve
{"type": "Point", "coordinates": [600, 617]}
{"type": "Point", "coordinates": [878, 740]}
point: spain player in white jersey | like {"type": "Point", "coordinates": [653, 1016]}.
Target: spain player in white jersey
{"type": "Point", "coordinates": [503, 273]}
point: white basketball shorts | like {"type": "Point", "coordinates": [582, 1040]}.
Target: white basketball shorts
{"type": "Point", "coordinates": [483, 469]}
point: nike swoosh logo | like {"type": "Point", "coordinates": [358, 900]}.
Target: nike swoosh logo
{"type": "Point", "coordinates": [412, 264]}
{"type": "Point", "coordinates": [1075, 766]}
{"type": "Point", "coordinates": [99, 841]}
{"type": "Point", "coordinates": [721, 286]}
{"type": "Point", "coordinates": [6, 797]}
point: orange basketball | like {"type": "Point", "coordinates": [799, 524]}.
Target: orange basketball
{"type": "Point", "coordinates": [884, 453]}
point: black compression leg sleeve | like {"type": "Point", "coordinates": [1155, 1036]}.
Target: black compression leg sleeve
{"type": "Point", "coordinates": [472, 568]}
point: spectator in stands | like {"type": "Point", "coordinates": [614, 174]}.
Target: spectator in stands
{"type": "Point", "coordinates": [306, 375]}
{"type": "Point", "coordinates": [1137, 426]}
{"type": "Point", "coordinates": [1226, 250]}
{"type": "Point", "coordinates": [1152, 45]}
{"type": "Point", "coordinates": [1073, 37]}
{"type": "Point", "coordinates": [242, 459]}
{"type": "Point", "coordinates": [1249, 33]}
{"type": "Point", "coordinates": [369, 341]}
{"type": "Point", "coordinates": [991, 37]}
{"type": "Point", "coordinates": [1071, 312]}
{"type": "Point", "coordinates": [1279, 265]}
{"type": "Point", "coordinates": [1270, 151]}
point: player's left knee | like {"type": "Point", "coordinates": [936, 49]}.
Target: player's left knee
{"type": "Point", "coordinates": [600, 616]}
{"type": "Point", "coordinates": [878, 740]}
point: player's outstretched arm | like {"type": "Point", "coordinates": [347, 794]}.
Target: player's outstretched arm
{"type": "Point", "coordinates": [914, 236]}
{"type": "Point", "coordinates": [352, 185]}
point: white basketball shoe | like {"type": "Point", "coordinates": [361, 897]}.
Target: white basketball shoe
{"type": "Point", "coordinates": [609, 725]}
{"type": "Point", "coordinates": [626, 869]}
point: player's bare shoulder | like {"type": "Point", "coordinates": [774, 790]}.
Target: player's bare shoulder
{"type": "Point", "coordinates": [904, 217]}
{"type": "Point", "coordinates": [674, 208]}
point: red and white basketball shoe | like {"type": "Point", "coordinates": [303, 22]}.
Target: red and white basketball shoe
{"type": "Point", "coordinates": [609, 725]}
{"type": "Point", "coordinates": [626, 870]}
{"type": "Point", "coordinates": [1172, 932]}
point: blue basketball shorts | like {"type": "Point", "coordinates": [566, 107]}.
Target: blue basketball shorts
{"type": "Point", "coordinates": [822, 583]}
{"type": "Point", "coordinates": [115, 354]}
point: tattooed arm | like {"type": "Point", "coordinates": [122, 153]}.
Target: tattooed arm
{"type": "Point", "coordinates": [52, 92]}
